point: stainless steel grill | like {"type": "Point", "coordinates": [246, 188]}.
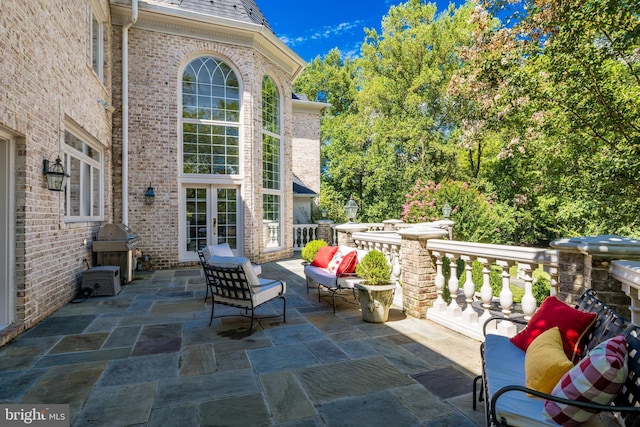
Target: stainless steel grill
{"type": "Point", "coordinates": [114, 245]}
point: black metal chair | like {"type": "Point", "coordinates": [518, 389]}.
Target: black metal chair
{"type": "Point", "coordinates": [237, 285]}
{"type": "Point", "coordinates": [208, 277]}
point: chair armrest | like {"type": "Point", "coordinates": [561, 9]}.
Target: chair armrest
{"type": "Point", "coordinates": [506, 319]}
{"type": "Point", "coordinates": [269, 283]}
{"type": "Point", "coordinates": [594, 407]}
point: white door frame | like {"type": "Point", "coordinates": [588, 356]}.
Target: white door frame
{"type": "Point", "coordinates": [183, 254]}
{"type": "Point", "coordinates": [7, 230]}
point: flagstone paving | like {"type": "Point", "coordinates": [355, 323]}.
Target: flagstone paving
{"type": "Point", "coordinates": [148, 357]}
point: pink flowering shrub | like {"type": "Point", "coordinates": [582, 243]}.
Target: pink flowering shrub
{"type": "Point", "coordinates": [477, 217]}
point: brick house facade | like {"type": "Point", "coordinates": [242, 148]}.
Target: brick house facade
{"type": "Point", "coordinates": [62, 95]}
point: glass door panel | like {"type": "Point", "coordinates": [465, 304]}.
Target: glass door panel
{"type": "Point", "coordinates": [196, 218]}
{"type": "Point", "coordinates": [211, 218]}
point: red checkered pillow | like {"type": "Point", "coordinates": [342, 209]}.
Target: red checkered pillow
{"type": "Point", "coordinates": [343, 262]}
{"type": "Point", "coordinates": [597, 378]}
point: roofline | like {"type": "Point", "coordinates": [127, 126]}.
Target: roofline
{"type": "Point", "coordinates": [302, 105]}
{"type": "Point", "coordinates": [174, 20]}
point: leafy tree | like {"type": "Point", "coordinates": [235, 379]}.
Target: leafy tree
{"type": "Point", "coordinates": [389, 122]}
{"type": "Point", "coordinates": [559, 90]}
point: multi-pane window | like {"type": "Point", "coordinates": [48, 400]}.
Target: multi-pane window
{"type": "Point", "coordinates": [271, 162]}
{"type": "Point", "coordinates": [83, 163]}
{"type": "Point", "coordinates": [97, 45]}
{"type": "Point", "coordinates": [210, 118]}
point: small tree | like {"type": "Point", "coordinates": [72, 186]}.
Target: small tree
{"type": "Point", "coordinates": [374, 268]}
{"type": "Point", "coordinates": [311, 249]}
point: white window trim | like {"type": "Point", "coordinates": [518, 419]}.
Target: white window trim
{"type": "Point", "coordinates": [68, 151]}
{"type": "Point", "coordinates": [210, 178]}
{"type": "Point", "coordinates": [96, 15]}
{"type": "Point", "coordinates": [281, 191]}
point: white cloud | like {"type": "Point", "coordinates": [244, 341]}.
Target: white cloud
{"type": "Point", "coordinates": [326, 32]}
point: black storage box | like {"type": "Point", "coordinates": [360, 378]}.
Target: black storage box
{"type": "Point", "coordinates": [103, 279]}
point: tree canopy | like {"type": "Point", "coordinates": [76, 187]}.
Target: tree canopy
{"type": "Point", "coordinates": [535, 103]}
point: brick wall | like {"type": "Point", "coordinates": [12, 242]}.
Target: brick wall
{"type": "Point", "coordinates": [156, 61]}
{"type": "Point", "coordinates": [45, 79]}
{"type": "Point", "coordinates": [306, 148]}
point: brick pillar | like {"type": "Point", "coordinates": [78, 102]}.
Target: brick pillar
{"type": "Point", "coordinates": [325, 232]}
{"type": "Point", "coordinates": [345, 233]}
{"type": "Point", "coordinates": [418, 270]}
{"type": "Point", "coordinates": [391, 224]}
{"type": "Point", "coordinates": [584, 263]}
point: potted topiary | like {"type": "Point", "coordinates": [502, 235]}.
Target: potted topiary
{"type": "Point", "coordinates": [310, 250]}
{"type": "Point", "coordinates": [375, 292]}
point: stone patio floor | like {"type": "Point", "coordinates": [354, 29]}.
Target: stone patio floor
{"type": "Point", "coordinates": [147, 357]}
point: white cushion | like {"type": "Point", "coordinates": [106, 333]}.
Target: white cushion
{"type": "Point", "coordinates": [223, 249]}
{"type": "Point", "coordinates": [229, 261]}
{"type": "Point", "coordinates": [504, 365]}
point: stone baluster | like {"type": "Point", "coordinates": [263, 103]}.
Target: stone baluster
{"type": "Point", "coordinates": [454, 309]}
{"type": "Point", "coordinates": [396, 266]}
{"type": "Point", "coordinates": [506, 296]}
{"type": "Point", "coordinates": [486, 293]}
{"type": "Point", "coordinates": [528, 300]}
{"type": "Point", "coordinates": [439, 304]}
{"type": "Point", "coordinates": [506, 300]}
{"type": "Point", "coordinates": [469, 315]}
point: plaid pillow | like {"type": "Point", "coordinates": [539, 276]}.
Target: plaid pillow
{"type": "Point", "coordinates": [597, 378]}
{"type": "Point", "coordinates": [344, 261]}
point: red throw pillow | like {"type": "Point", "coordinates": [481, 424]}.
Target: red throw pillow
{"type": "Point", "coordinates": [348, 264]}
{"type": "Point", "coordinates": [574, 326]}
{"type": "Point", "coordinates": [324, 255]}
{"type": "Point", "coordinates": [343, 262]}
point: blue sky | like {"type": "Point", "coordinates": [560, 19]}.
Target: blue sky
{"type": "Point", "coordinates": [313, 27]}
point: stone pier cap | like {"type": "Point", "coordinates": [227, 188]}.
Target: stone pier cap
{"type": "Point", "coordinates": [609, 246]}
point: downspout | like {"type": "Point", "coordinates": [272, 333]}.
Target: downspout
{"type": "Point", "coordinates": [125, 111]}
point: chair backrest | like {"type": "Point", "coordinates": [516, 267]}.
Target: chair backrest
{"type": "Point", "coordinates": [223, 249]}
{"type": "Point", "coordinates": [203, 260]}
{"type": "Point", "coordinates": [240, 267]}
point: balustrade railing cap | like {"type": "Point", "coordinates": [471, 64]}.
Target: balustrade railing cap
{"type": "Point", "coordinates": [324, 221]}
{"type": "Point", "coordinates": [423, 231]}
{"type": "Point", "coordinates": [352, 227]}
{"type": "Point", "coordinates": [609, 245]}
{"type": "Point", "coordinates": [392, 221]}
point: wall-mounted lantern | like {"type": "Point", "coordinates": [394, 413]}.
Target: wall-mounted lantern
{"type": "Point", "coordinates": [149, 195]}
{"type": "Point", "coordinates": [351, 209]}
{"type": "Point", "coordinates": [56, 175]}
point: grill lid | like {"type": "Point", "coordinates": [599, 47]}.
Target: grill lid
{"type": "Point", "coordinates": [112, 232]}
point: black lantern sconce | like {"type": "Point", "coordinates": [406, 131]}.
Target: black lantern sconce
{"type": "Point", "coordinates": [56, 175]}
{"type": "Point", "coordinates": [149, 196]}
{"type": "Point", "coordinates": [351, 210]}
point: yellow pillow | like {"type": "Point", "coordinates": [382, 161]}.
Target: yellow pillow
{"type": "Point", "coordinates": [545, 361]}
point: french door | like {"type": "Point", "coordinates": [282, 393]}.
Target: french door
{"type": "Point", "coordinates": [7, 233]}
{"type": "Point", "coordinates": [211, 215]}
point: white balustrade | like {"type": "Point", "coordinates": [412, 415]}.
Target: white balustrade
{"type": "Point", "coordinates": [390, 244]}
{"type": "Point", "coordinates": [303, 234]}
{"type": "Point", "coordinates": [469, 320]}
{"type": "Point", "coordinates": [628, 273]}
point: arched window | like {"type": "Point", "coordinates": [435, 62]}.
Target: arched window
{"type": "Point", "coordinates": [210, 118]}
{"type": "Point", "coordinates": [272, 195]}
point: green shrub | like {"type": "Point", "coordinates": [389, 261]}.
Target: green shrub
{"type": "Point", "coordinates": [374, 268]}
{"type": "Point", "coordinates": [311, 249]}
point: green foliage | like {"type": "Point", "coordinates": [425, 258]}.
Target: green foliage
{"type": "Point", "coordinates": [310, 250]}
{"type": "Point", "coordinates": [374, 268]}
{"type": "Point", "coordinates": [541, 114]}
{"type": "Point", "coordinates": [478, 218]}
